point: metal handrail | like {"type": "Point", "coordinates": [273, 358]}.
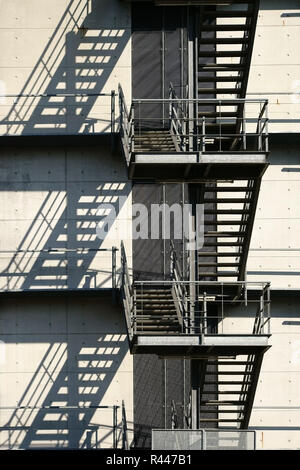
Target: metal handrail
{"type": "Point", "coordinates": [179, 122]}
{"type": "Point", "coordinates": [125, 441]}
{"type": "Point", "coordinates": [126, 292]}
{"type": "Point", "coordinates": [198, 324]}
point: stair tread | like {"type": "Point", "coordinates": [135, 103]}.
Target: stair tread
{"type": "Point", "coordinates": [229, 189]}
{"type": "Point", "coordinates": [220, 420]}
{"type": "Point", "coordinates": [228, 13]}
{"type": "Point", "coordinates": [226, 372]}
{"type": "Point", "coordinates": [223, 402]}
{"type": "Point", "coordinates": [225, 382]}
{"type": "Point", "coordinates": [208, 79]}
{"type": "Point", "coordinates": [216, 264]}
{"type": "Point", "coordinates": [223, 40]}
{"type": "Point", "coordinates": [225, 27]}
{"type": "Point", "coordinates": [217, 254]}
{"type": "Point", "coordinates": [228, 200]}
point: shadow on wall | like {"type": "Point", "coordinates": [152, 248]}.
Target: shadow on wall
{"type": "Point", "coordinates": [66, 220]}
{"type": "Point", "coordinates": [61, 404]}
{"type": "Point", "coordinates": [77, 59]}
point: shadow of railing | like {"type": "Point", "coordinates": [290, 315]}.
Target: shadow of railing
{"type": "Point", "coordinates": [61, 249]}
{"type": "Point", "coordinates": [64, 396]}
{"type": "Point", "coordinates": [75, 60]}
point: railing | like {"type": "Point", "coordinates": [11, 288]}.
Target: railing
{"type": "Point", "coordinates": [203, 439]}
{"type": "Point", "coordinates": [252, 318]}
{"type": "Point", "coordinates": [127, 293]}
{"type": "Point", "coordinates": [179, 290]}
{"type": "Point", "coordinates": [125, 442]}
{"type": "Point", "coordinates": [234, 125]}
{"type": "Point", "coordinates": [126, 126]}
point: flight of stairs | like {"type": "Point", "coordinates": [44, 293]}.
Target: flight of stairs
{"type": "Point", "coordinates": [225, 47]}
{"type": "Point", "coordinates": [229, 211]}
{"type": "Point", "coordinates": [154, 141]}
{"type": "Point", "coordinates": [228, 390]}
{"type": "Point", "coordinates": [155, 311]}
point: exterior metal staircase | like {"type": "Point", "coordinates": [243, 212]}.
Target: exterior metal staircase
{"type": "Point", "coordinates": [155, 311]}
{"type": "Point", "coordinates": [229, 211]}
{"type": "Point", "coordinates": [155, 141]}
{"type": "Point", "coordinates": [228, 389]}
{"type": "Point", "coordinates": [225, 46]}
{"type": "Point", "coordinates": [214, 141]}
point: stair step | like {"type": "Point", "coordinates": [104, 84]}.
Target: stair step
{"type": "Point", "coordinates": [229, 189]}
{"type": "Point", "coordinates": [222, 68]}
{"type": "Point", "coordinates": [234, 363]}
{"type": "Point", "coordinates": [226, 382]}
{"type": "Point", "coordinates": [220, 124]}
{"type": "Point", "coordinates": [150, 303]}
{"type": "Point", "coordinates": [219, 274]}
{"type": "Point", "coordinates": [229, 200]}
{"type": "Point", "coordinates": [226, 211]}
{"type": "Point", "coordinates": [222, 53]}
{"type": "Point", "coordinates": [217, 420]}
{"type": "Point", "coordinates": [222, 411]}
{"type": "Point", "coordinates": [218, 265]}
{"type": "Point", "coordinates": [216, 254]}
{"type": "Point", "coordinates": [223, 392]}
{"type": "Point", "coordinates": [162, 290]}
{"type": "Point", "coordinates": [216, 114]}
{"type": "Point", "coordinates": [209, 243]}
{"type": "Point", "coordinates": [208, 79]}
{"type": "Point", "coordinates": [154, 310]}
{"type": "Point", "coordinates": [224, 234]}
{"type": "Point", "coordinates": [158, 333]}
{"type": "Point", "coordinates": [161, 322]}
{"type": "Point", "coordinates": [155, 328]}
{"type": "Point", "coordinates": [241, 40]}
{"type": "Point", "coordinates": [225, 222]}
{"type": "Point", "coordinates": [222, 402]}
{"type": "Point", "coordinates": [225, 27]}
{"type": "Point", "coordinates": [227, 372]}
{"type": "Point", "coordinates": [217, 91]}
{"type": "Point", "coordinates": [228, 13]}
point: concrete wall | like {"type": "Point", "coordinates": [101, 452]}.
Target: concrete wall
{"type": "Point", "coordinates": [62, 46]}
{"type": "Point", "coordinates": [50, 199]}
{"type": "Point", "coordinates": [275, 246]}
{"type": "Point", "coordinates": [63, 352]}
{"type": "Point", "coordinates": [275, 68]}
{"type": "Point", "coordinates": [276, 411]}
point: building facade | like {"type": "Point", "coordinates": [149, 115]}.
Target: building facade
{"type": "Point", "coordinates": [114, 323]}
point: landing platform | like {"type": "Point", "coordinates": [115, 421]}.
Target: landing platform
{"type": "Point", "coordinates": [199, 346]}
{"type": "Point", "coordinates": [178, 166]}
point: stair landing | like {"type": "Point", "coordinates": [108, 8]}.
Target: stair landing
{"type": "Point", "coordinates": [167, 165]}
{"type": "Point", "coordinates": [198, 346]}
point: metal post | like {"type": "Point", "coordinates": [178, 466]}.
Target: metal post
{"type": "Point", "coordinates": [261, 314]}
{"type": "Point", "coordinates": [267, 128]}
{"type": "Point", "coordinates": [113, 110]}
{"type": "Point", "coordinates": [204, 313]}
{"type": "Point", "coordinates": [132, 130]}
{"type": "Point", "coordinates": [195, 395]}
{"type": "Point", "coordinates": [203, 134]}
{"type": "Point", "coordinates": [259, 130]}
{"type": "Point", "coordinates": [244, 128]}
{"type": "Point", "coordinates": [115, 422]}
{"type": "Point", "coordinates": [113, 118]}
{"type": "Point", "coordinates": [113, 273]}
{"type": "Point", "coordinates": [88, 439]}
